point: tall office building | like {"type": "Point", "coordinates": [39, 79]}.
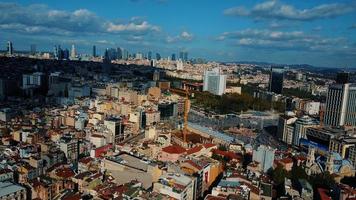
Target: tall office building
{"type": "Point", "coordinates": [340, 109]}
{"type": "Point", "coordinates": [264, 155]}
{"type": "Point", "coordinates": [115, 125]}
{"type": "Point", "coordinates": [125, 54]}
{"type": "Point", "coordinates": [149, 55]}
{"type": "Point", "coordinates": [181, 55]}
{"type": "Point", "coordinates": [300, 128]}
{"type": "Point", "coordinates": [119, 53]}
{"type": "Point", "coordinates": [158, 56]}
{"type": "Point", "coordinates": [185, 56]}
{"type": "Point", "coordinates": [342, 77]}
{"type": "Point", "coordinates": [94, 51]}
{"type": "Point", "coordinates": [214, 82]}
{"type": "Point", "coordinates": [73, 52]}
{"type": "Point", "coordinates": [32, 49]}
{"type": "Point", "coordinates": [276, 80]}
{"type": "Point", "coordinates": [173, 57]}
{"type": "Point", "coordinates": [10, 49]}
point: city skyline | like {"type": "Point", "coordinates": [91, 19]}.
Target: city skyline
{"type": "Point", "coordinates": [321, 33]}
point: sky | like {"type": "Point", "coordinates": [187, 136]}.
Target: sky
{"type": "Point", "coordinates": [317, 32]}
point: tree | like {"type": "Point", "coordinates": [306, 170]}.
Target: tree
{"type": "Point", "coordinates": [279, 174]}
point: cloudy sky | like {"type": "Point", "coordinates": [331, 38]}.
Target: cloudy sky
{"type": "Point", "coordinates": [317, 32]}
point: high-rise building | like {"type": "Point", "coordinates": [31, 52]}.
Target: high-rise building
{"type": "Point", "coordinates": [73, 52]}
{"type": "Point", "coordinates": [173, 57]}
{"type": "Point", "coordinates": [342, 77]}
{"type": "Point", "coordinates": [149, 55]}
{"type": "Point", "coordinates": [138, 56]}
{"type": "Point", "coordinates": [70, 147]}
{"type": "Point", "coordinates": [181, 55]}
{"type": "Point", "coordinates": [214, 82]}
{"type": "Point", "coordinates": [276, 80]}
{"type": "Point", "coordinates": [119, 53]}
{"type": "Point", "coordinates": [115, 125]}
{"type": "Point", "coordinates": [158, 56]}
{"type": "Point", "coordinates": [32, 49]}
{"type": "Point", "coordinates": [264, 155]}
{"type": "Point", "coordinates": [340, 109]}
{"type": "Point", "coordinates": [156, 75]}
{"type": "Point", "coordinates": [94, 51]}
{"type": "Point", "coordinates": [300, 128]}
{"type": "Point", "coordinates": [125, 54]}
{"type": "Point", "coordinates": [65, 54]}
{"type": "Point", "coordinates": [10, 49]}
{"type": "Point", "coordinates": [185, 56]}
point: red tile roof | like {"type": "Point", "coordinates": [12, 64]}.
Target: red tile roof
{"type": "Point", "coordinates": [64, 172]}
{"type": "Point", "coordinates": [192, 163]}
{"type": "Point", "coordinates": [194, 149]}
{"type": "Point", "coordinates": [228, 154]}
{"type": "Point", "coordinates": [209, 145]}
{"type": "Point", "coordinates": [174, 149]}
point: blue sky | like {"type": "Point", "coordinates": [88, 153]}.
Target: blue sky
{"type": "Point", "coordinates": [321, 33]}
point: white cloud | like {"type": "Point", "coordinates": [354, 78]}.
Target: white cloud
{"type": "Point", "coordinates": [39, 19]}
{"type": "Point", "coordinates": [274, 9]}
{"type": "Point", "coordinates": [184, 36]}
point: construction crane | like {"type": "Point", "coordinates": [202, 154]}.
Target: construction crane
{"type": "Point", "coordinates": [186, 111]}
{"type": "Point", "coordinates": [186, 94]}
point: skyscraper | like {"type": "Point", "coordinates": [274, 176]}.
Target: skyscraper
{"type": "Point", "coordinates": [181, 55]}
{"type": "Point", "coordinates": [10, 49]}
{"type": "Point", "coordinates": [94, 51]}
{"type": "Point", "coordinates": [73, 52]}
{"type": "Point", "coordinates": [264, 155]}
{"type": "Point", "coordinates": [276, 80]}
{"type": "Point", "coordinates": [33, 49]}
{"type": "Point", "coordinates": [342, 77]}
{"type": "Point", "coordinates": [158, 56]}
{"type": "Point", "coordinates": [119, 53]}
{"type": "Point", "coordinates": [214, 82]}
{"type": "Point", "coordinates": [149, 55]}
{"type": "Point", "coordinates": [185, 56]}
{"type": "Point", "coordinates": [340, 106]}
{"type": "Point", "coordinates": [173, 58]}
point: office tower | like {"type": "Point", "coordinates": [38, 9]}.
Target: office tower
{"type": "Point", "coordinates": [181, 55]}
{"type": "Point", "coordinates": [340, 106]}
{"type": "Point", "coordinates": [276, 80]}
{"type": "Point", "coordinates": [73, 52]}
{"type": "Point", "coordinates": [70, 147]}
{"type": "Point", "coordinates": [125, 54]}
{"type": "Point", "coordinates": [173, 58]}
{"type": "Point", "coordinates": [214, 82]}
{"type": "Point", "coordinates": [149, 55]}
{"type": "Point", "coordinates": [264, 155]}
{"type": "Point", "coordinates": [55, 51]}
{"type": "Point", "coordinates": [65, 54]}
{"type": "Point", "coordinates": [185, 56]}
{"type": "Point", "coordinates": [94, 51]}
{"type": "Point", "coordinates": [138, 56]}
{"type": "Point", "coordinates": [179, 65]}
{"type": "Point", "coordinates": [115, 125]}
{"type": "Point", "coordinates": [119, 53]}
{"type": "Point", "coordinates": [342, 77]}
{"type": "Point", "coordinates": [301, 126]}
{"type": "Point", "coordinates": [158, 56]}
{"type": "Point", "coordinates": [10, 49]}
{"type": "Point", "coordinates": [32, 49]}
{"type": "Point", "coordinates": [156, 74]}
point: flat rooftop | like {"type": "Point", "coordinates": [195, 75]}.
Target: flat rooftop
{"type": "Point", "coordinates": [7, 188]}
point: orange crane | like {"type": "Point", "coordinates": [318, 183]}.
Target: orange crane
{"type": "Point", "coordinates": [186, 111]}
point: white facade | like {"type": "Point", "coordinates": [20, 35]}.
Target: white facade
{"type": "Point", "coordinates": [312, 108]}
{"type": "Point", "coordinates": [214, 82]}
{"type": "Point", "coordinates": [32, 80]}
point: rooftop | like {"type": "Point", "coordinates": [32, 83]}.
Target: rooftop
{"type": "Point", "coordinates": [7, 188]}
